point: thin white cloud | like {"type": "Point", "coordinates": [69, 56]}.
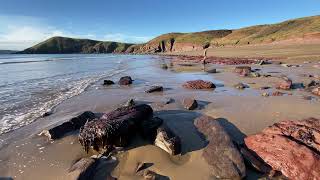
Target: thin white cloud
{"type": "Point", "coordinates": [20, 32]}
{"type": "Point", "coordinates": [119, 37]}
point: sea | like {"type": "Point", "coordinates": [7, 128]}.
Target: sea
{"type": "Point", "coordinates": [32, 85]}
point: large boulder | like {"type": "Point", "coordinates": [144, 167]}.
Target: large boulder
{"type": "Point", "coordinates": [167, 140]}
{"type": "Point", "coordinates": [199, 84]}
{"type": "Point", "coordinates": [114, 129]}
{"type": "Point", "coordinates": [291, 147]}
{"type": "Point", "coordinates": [223, 157]}
{"type": "Point", "coordinates": [126, 80]}
{"type": "Point", "coordinates": [72, 125]}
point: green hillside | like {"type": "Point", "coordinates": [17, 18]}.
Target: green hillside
{"type": "Point", "coordinates": [63, 45]}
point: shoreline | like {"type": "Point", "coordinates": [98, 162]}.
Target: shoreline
{"type": "Point", "coordinates": [225, 103]}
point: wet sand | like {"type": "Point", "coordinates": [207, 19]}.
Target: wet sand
{"type": "Point", "coordinates": [24, 155]}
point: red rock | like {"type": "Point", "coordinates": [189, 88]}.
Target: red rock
{"type": "Point", "coordinates": [316, 91]}
{"type": "Point", "coordinates": [306, 131]}
{"type": "Point", "coordinates": [291, 147]}
{"type": "Point", "coordinates": [295, 161]}
{"type": "Point", "coordinates": [199, 84]}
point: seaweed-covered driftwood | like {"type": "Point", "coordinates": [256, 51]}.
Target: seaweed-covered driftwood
{"type": "Point", "coordinates": [114, 128]}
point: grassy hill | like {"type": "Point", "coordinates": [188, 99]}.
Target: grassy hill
{"type": "Point", "coordinates": [64, 45]}
{"type": "Point", "coordinates": [287, 30]}
{"type": "Point", "coordinates": [296, 29]}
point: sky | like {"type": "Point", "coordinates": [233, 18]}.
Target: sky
{"type": "Point", "coordinates": [24, 23]}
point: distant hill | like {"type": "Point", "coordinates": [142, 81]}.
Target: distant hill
{"type": "Point", "coordinates": [7, 52]}
{"type": "Point", "coordinates": [292, 31]}
{"type": "Point", "coordinates": [64, 45]}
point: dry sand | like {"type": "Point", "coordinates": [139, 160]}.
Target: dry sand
{"type": "Point", "coordinates": [24, 155]}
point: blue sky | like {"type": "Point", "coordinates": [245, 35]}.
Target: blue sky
{"type": "Point", "coordinates": [26, 22]}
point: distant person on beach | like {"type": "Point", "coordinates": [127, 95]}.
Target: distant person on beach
{"type": "Point", "coordinates": [204, 58]}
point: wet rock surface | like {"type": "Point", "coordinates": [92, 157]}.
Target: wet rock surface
{"type": "Point", "coordinates": [167, 140]}
{"type": "Point", "coordinates": [108, 82]}
{"type": "Point", "coordinates": [199, 84]}
{"type": "Point", "coordinates": [220, 153]}
{"type": "Point", "coordinates": [72, 125]}
{"type": "Point", "coordinates": [189, 103]}
{"type": "Point", "coordinates": [126, 80]}
{"type": "Point", "coordinates": [291, 147]}
{"type": "Point", "coordinates": [154, 89]}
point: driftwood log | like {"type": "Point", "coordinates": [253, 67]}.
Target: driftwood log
{"type": "Point", "coordinates": [114, 129]}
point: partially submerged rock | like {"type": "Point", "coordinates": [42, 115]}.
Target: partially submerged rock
{"type": "Point", "coordinates": [223, 157]}
{"type": "Point", "coordinates": [199, 84]}
{"type": "Point", "coordinates": [130, 102]}
{"type": "Point", "coordinates": [73, 124]}
{"type": "Point", "coordinates": [189, 103]}
{"type": "Point", "coordinates": [154, 89]}
{"type": "Point", "coordinates": [278, 93]}
{"type": "Point", "coordinates": [108, 82]}
{"type": "Point", "coordinates": [240, 86]}
{"type": "Point", "coordinates": [167, 140]}
{"type": "Point", "coordinates": [114, 128]}
{"type": "Point", "coordinates": [291, 147]}
{"type": "Point", "coordinates": [126, 80]}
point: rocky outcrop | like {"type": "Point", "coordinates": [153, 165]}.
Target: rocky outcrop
{"type": "Point", "coordinates": [126, 80]}
{"type": "Point", "coordinates": [72, 125]}
{"type": "Point", "coordinates": [223, 157]}
{"type": "Point", "coordinates": [114, 129]}
{"type": "Point", "coordinates": [167, 140]}
{"type": "Point", "coordinates": [291, 147]}
{"type": "Point", "coordinates": [199, 84]}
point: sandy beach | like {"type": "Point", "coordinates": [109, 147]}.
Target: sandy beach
{"type": "Point", "coordinates": [25, 155]}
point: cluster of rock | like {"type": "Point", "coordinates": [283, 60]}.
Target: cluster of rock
{"type": "Point", "coordinates": [290, 147]}
{"type": "Point", "coordinates": [216, 60]}
{"type": "Point", "coordinates": [125, 80]}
